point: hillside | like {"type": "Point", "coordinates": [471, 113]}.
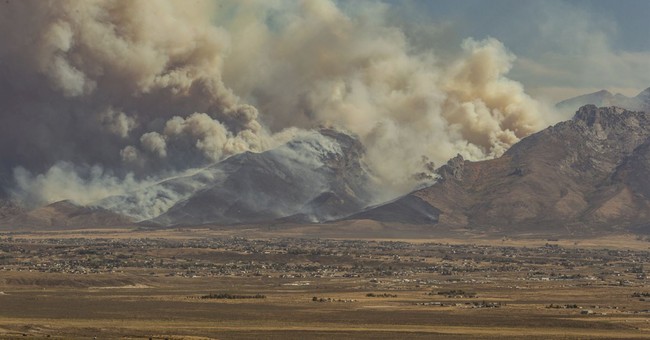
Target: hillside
{"type": "Point", "coordinates": [586, 175]}
{"type": "Point", "coordinates": [61, 215]}
{"type": "Point", "coordinates": [313, 178]}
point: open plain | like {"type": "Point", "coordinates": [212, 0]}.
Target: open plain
{"type": "Point", "coordinates": [217, 284]}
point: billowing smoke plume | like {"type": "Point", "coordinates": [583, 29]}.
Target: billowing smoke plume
{"type": "Point", "coordinates": [313, 64]}
{"type": "Point", "coordinates": [115, 94]}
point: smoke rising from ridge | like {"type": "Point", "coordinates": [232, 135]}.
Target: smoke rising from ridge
{"type": "Point", "coordinates": [116, 93]}
{"type": "Point", "coordinates": [316, 64]}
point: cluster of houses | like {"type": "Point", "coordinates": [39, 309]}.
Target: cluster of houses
{"type": "Point", "coordinates": [386, 264]}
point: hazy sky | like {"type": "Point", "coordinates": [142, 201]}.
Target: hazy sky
{"type": "Point", "coordinates": [563, 47]}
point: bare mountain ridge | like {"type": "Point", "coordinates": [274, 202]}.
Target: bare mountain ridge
{"type": "Point", "coordinates": [313, 178]}
{"type": "Point", "coordinates": [585, 175]}
{"type": "Point", "coordinates": [604, 98]}
{"type": "Point", "coordinates": [62, 214]}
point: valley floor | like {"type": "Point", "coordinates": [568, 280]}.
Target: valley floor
{"type": "Point", "coordinates": [216, 284]}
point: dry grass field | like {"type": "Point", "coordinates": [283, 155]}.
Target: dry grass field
{"type": "Point", "coordinates": [148, 284]}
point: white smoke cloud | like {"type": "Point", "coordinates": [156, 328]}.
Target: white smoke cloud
{"type": "Point", "coordinates": [194, 77]}
{"type": "Point", "coordinates": [153, 199]}
{"type": "Point", "coordinates": [63, 181]}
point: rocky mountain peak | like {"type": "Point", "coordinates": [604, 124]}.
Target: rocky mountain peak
{"type": "Point", "coordinates": [591, 114]}
{"type": "Point", "coordinates": [611, 117]}
{"type": "Point", "coordinates": [453, 169]}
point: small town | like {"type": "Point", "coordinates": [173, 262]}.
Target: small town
{"type": "Point", "coordinates": [390, 265]}
{"type": "Point", "coordinates": [189, 277]}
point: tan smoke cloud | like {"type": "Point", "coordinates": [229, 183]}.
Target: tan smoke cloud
{"type": "Point", "coordinates": [488, 110]}
{"type": "Point", "coordinates": [62, 181]}
{"type": "Point", "coordinates": [154, 143]}
{"type": "Point", "coordinates": [357, 72]}
{"type": "Point", "coordinates": [212, 138]}
{"type": "Point", "coordinates": [161, 58]}
{"type": "Point", "coordinates": [190, 79]}
{"type": "Point", "coordinates": [69, 65]}
{"type": "Point", "coordinates": [117, 122]}
{"type": "Point", "coordinates": [129, 154]}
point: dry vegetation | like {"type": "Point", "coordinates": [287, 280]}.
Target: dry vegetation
{"type": "Point", "coordinates": [153, 284]}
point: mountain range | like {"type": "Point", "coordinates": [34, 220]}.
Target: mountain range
{"type": "Point", "coordinates": [587, 175]}
{"type": "Point", "coordinates": [604, 98]}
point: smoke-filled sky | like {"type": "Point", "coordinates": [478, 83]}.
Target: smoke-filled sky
{"type": "Point", "coordinates": [98, 97]}
{"type": "Point", "coordinates": [563, 48]}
